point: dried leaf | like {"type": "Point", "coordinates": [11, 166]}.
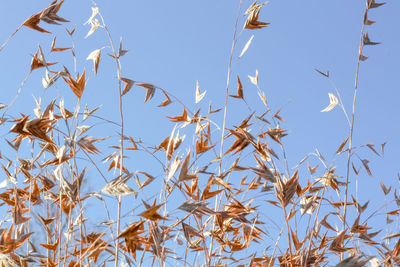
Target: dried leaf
{"type": "Point", "coordinates": [128, 85]}
{"type": "Point", "coordinates": [239, 90]}
{"type": "Point", "coordinates": [252, 18]}
{"type": "Point", "coordinates": [95, 12]}
{"type": "Point", "coordinates": [173, 168]}
{"type": "Point", "coordinates": [246, 46]}
{"type": "Point", "coordinates": [95, 55]}
{"type": "Point", "coordinates": [385, 189]}
{"type": "Point", "coordinates": [326, 74]}
{"type": "Point", "coordinates": [167, 101]}
{"type": "Point", "coordinates": [54, 49]}
{"type": "Point", "coordinates": [184, 175]}
{"type": "Point", "coordinates": [342, 145]}
{"type": "Point", "coordinates": [210, 110]}
{"type": "Point", "coordinates": [78, 85]}
{"type": "Point", "coordinates": [254, 80]}
{"type": "Point", "coordinates": [149, 179]}
{"type": "Point", "coordinates": [363, 57]}
{"type": "Point", "coordinates": [70, 33]}
{"type": "Point", "coordinates": [86, 143]}
{"type": "Point", "coordinates": [38, 60]}
{"type": "Point", "coordinates": [150, 90]}
{"type": "Point", "coordinates": [94, 25]}
{"type": "Point", "coordinates": [365, 164]}
{"type": "Point", "coordinates": [48, 80]}
{"type": "Point", "coordinates": [199, 96]}
{"type": "Point", "coordinates": [333, 101]}
{"type": "Point", "coordinates": [87, 113]}
{"type": "Point", "coordinates": [182, 118]}
{"type": "Point", "coordinates": [263, 98]}
{"type": "Point", "coordinates": [118, 187]}
{"type": "Point", "coordinates": [367, 41]}
{"type": "Point", "coordinates": [371, 146]}
{"type": "Point", "coordinates": [367, 22]}
{"type": "Point", "coordinates": [372, 4]}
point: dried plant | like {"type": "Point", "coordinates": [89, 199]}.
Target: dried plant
{"type": "Point", "coordinates": [222, 216]}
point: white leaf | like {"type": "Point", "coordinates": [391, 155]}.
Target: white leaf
{"type": "Point", "coordinates": [254, 80]}
{"type": "Point", "coordinates": [37, 110]}
{"type": "Point", "coordinates": [246, 46]}
{"type": "Point", "coordinates": [95, 11]}
{"type": "Point", "coordinates": [87, 113]}
{"type": "Point", "coordinates": [62, 108]}
{"type": "Point", "coordinates": [83, 129]}
{"type": "Point", "coordinates": [199, 96]}
{"type": "Point", "coordinates": [48, 80]}
{"type": "Point", "coordinates": [94, 24]}
{"type": "Point", "coordinates": [261, 94]}
{"type": "Point", "coordinates": [4, 183]}
{"type": "Point", "coordinates": [95, 56]}
{"type": "Point", "coordinates": [374, 262]}
{"type": "Point", "coordinates": [118, 187]}
{"type": "Point", "coordinates": [173, 168]}
{"type": "Point", "coordinates": [333, 101]}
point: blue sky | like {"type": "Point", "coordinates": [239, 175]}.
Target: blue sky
{"type": "Point", "coordinates": [173, 44]}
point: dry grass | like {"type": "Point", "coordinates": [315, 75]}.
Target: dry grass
{"type": "Point", "coordinates": [223, 213]}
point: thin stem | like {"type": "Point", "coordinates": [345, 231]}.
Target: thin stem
{"type": "Point", "coordinates": [225, 114]}
{"type": "Point", "coordinates": [11, 36]}
{"type": "Point", "coordinates": [352, 123]}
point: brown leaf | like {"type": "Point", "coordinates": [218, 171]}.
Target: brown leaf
{"type": "Point", "coordinates": [276, 134]}
{"type": "Point", "coordinates": [181, 118]}
{"type": "Point", "coordinates": [239, 90]}
{"type": "Point", "coordinates": [150, 90]}
{"type": "Point", "coordinates": [367, 41]}
{"type": "Point", "coordinates": [189, 231]}
{"type": "Point", "coordinates": [149, 179]}
{"type": "Point", "coordinates": [286, 190]}
{"type": "Point", "coordinates": [326, 74]}
{"type": "Point", "coordinates": [276, 115]}
{"type": "Point", "coordinates": [365, 164]}
{"type": "Point", "coordinates": [151, 212]}
{"type": "Point", "coordinates": [367, 22]}
{"type": "Point", "coordinates": [372, 4]}
{"type": "Point", "coordinates": [371, 146]}
{"type": "Point", "coordinates": [128, 85]}
{"type": "Point", "coordinates": [78, 85]}
{"type": "Point", "coordinates": [52, 247]}
{"type": "Point", "coordinates": [363, 57]}
{"type": "Point", "coordinates": [167, 101]}
{"type": "Point", "coordinates": [33, 21]}
{"type": "Point", "coordinates": [354, 169]}
{"type": "Point", "coordinates": [385, 189]}
{"type": "Point", "coordinates": [54, 49]}
{"type": "Point", "coordinates": [70, 33]}
{"type": "Point", "coordinates": [313, 169]}
{"type": "Point", "coordinates": [86, 143]}
{"type": "Point", "coordinates": [210, 110]}
{"type": "Point", "coordinates": [342, 145]}
{"type": "Point", "coordinates": [252, 18]}
{"type": "Point", "coordinates": [46, 221]}
{"type": "Point", "coordinates": [38, 61]}
{"type": "Point", "coordinates": [202, 144]}
{"type": "Point", "coordinates": [49, 14]}
{"type": "Point", "coordinates": [184, 175]}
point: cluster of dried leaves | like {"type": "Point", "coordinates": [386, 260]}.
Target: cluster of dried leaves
{"type": "Point", "coordinates": [46, 223]}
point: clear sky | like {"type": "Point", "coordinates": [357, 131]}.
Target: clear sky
{"type": "Point", "coordinates": [173, 44]}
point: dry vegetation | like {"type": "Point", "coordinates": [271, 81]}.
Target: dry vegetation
{"type": "Point", "coordinates": [222, 217]}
